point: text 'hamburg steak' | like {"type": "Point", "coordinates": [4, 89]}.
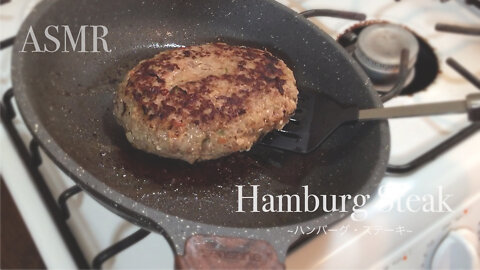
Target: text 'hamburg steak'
{"type": "Point", "coordinates": [204, 102]}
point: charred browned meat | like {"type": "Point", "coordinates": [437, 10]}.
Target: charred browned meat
{"type": "Point", "coordinates": [204, 102]}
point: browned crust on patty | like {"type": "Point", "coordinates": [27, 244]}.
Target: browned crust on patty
{"type": "Point", "coordinates": [203, 89]}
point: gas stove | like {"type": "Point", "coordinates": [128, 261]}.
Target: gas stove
{"type": "Point", "coordinates": [427, 212]}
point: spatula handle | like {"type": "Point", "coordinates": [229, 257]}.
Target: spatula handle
{"type": "Point", "coordinates": [470, 105]}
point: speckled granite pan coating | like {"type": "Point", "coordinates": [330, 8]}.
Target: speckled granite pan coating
{"type": "Point", "coordinates": [66, 100]}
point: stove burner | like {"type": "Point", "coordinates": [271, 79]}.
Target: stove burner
{"type": "Point", "coordinates": [377, 46]}
{"type": "Point", "coordinates": [378, 50]}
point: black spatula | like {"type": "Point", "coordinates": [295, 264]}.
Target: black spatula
{"type": "Point", "coordinates": [318, 116]}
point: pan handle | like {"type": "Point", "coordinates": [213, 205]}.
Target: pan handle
{"type": "Point", "coordinates": [216, 252]}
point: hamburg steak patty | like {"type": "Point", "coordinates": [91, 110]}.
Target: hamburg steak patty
{"type": "Point", "coordinates": [204, 102]}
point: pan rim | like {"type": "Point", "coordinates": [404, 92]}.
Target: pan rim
{"type": "Point", "coordinates": [159, 221]}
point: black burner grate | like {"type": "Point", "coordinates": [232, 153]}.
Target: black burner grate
{"type": "Point", "coordinates": [448, 143]}
{"type": "Point", "coordinates": [32, 161]}
{"type": "Point", "coordinates": [59, 211]}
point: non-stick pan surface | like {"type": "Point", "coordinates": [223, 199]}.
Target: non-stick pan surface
{"type": "Point", "coordinates": [66, 101]}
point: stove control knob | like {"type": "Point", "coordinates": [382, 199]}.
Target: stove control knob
{"type": "Point", "coordinates": [460, 249]}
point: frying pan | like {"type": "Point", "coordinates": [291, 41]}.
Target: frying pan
{"type": "Point", "coordinates": [66, 100]}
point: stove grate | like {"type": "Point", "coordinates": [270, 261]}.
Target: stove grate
{"type": "Point", "coordinates": [118, 247]}
{"type": "Point", "coordinates": [334, 13]}
{"type": "Point", "coordinates": [62, 199]}
{"type": "Point", "coordinates": [59, 211]}
{"type": "Point", "coordinates": [435, 152]}
{"type": "Point", "coordinates": [402, 78]}
{"type": "Point", "coordinates": [457, 29]}
{"type": "Point", "coordinates": [464, 72]}
{"type": "Point", "coordinates": [32, 161]}
{"type": "Point", "coordinates": [475, 3]}
{"type": "Point", "coordinates": [448, 143]}
{"type": "Point", "coordinates": [7, 42]}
